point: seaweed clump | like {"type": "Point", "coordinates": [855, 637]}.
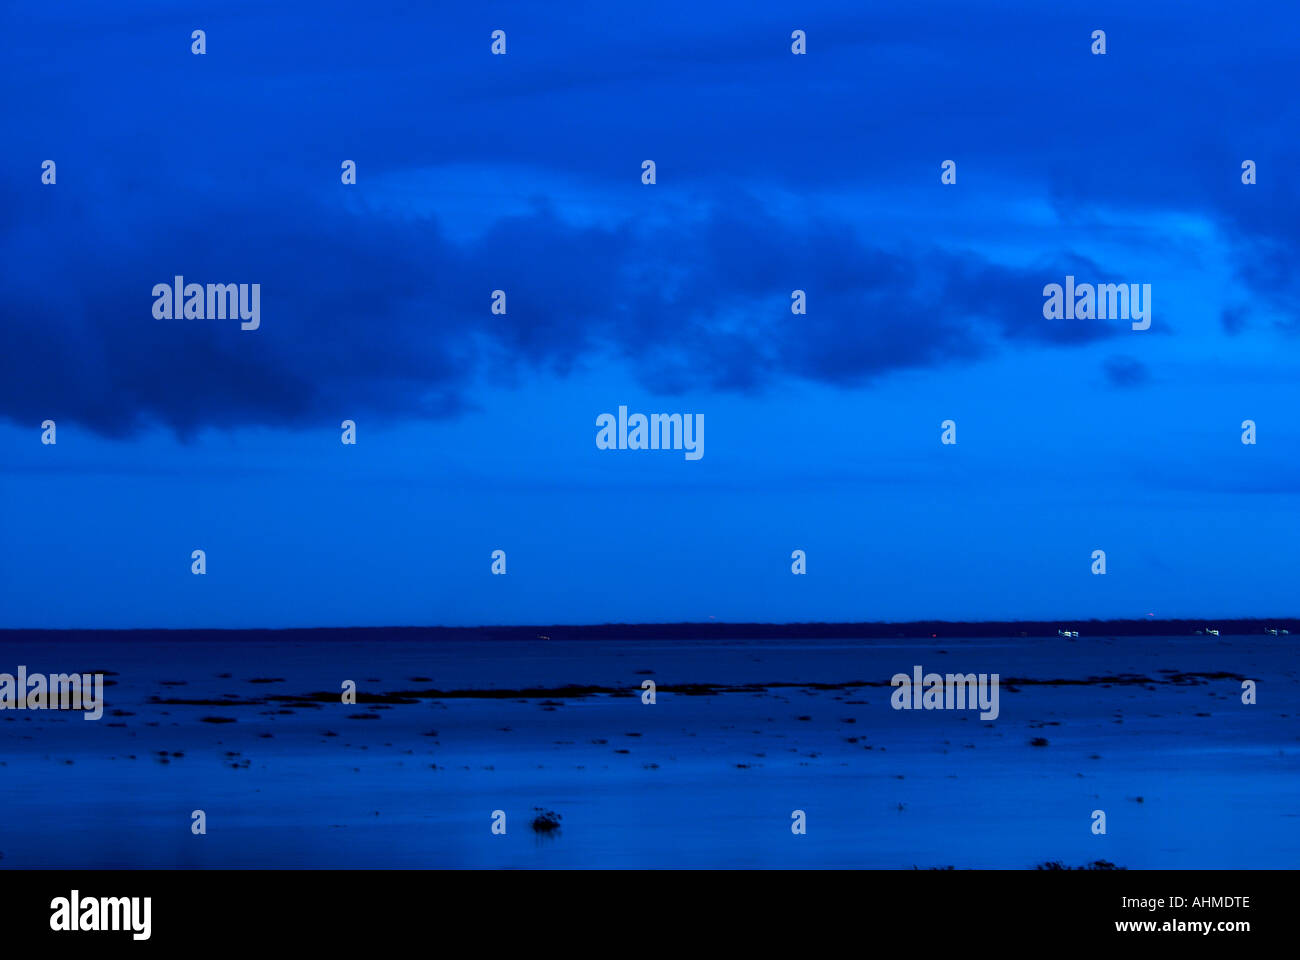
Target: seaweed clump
{"type": "Point", "coordinates": [546, 821]}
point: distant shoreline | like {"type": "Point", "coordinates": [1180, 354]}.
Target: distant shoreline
{"type": "Point", "coordinates": [914, 629]}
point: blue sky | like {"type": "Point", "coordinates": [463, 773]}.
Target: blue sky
{"type": "Point", "coordinates": [523, 172]}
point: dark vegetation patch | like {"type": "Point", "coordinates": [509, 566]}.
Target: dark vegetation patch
{"type": "Point", "coordinates": [1095, 865]}
{"type": "Point", "coordinates": [546, 821]}
{"type": "Point", "coordinates": [555, 696]}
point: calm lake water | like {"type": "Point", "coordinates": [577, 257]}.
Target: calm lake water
{"type": "Point", "coordinates": [1151, 731]}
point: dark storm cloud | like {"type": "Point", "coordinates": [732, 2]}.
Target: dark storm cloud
{"type": "Point", "coordinates": [224, 168]}
{"type": "Point", "coordinates": [362, 313]}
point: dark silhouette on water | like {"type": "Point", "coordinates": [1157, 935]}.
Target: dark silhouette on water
{"type": "Point", "coordinates": [713, 630]}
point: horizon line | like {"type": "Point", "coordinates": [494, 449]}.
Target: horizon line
{"type": "Point", "coordinates": [1139, 626]}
